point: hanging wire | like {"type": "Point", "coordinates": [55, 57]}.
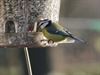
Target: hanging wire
{"type": "Point", "coordinates": [28, 61]}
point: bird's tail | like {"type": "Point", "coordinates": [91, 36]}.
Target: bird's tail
{"type": "Point", "coordinates": [77, 39]}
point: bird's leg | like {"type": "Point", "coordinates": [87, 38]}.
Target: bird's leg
{"type": "Point", "coordinates": [44, 42]}
{"type": "Point", "coordinates": [50, 41]}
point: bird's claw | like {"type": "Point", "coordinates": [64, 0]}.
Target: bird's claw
{"type": "Point", "coordinates": [44, 42]}
{"type": "Point", "coordinates": [48, 43]}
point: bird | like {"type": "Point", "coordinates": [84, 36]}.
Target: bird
{"type": "Point", "coordinates": [54, 32]}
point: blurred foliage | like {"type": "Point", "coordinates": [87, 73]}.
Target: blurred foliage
{"type": "Point", "coordinates": [97, 44]}
{"type": "Point", "coordinates": [84, 69]}
{"type": "Point", "coordinates": [95, 25]}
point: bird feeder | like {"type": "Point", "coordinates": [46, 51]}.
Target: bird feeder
{"type": "Point", "coordinates": [18, 18]}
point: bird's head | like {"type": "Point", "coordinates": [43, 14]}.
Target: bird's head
{"type": "Point", "coordinates": [44, 23]}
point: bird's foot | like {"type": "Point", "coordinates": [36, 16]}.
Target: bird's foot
{"type": "Point", "coordinates": [44, 42]}
{"type": "Point", "coordinates": [48, 43]}
{"type": "Point", "coordinates": [52, 43]}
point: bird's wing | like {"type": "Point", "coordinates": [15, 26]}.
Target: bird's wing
{"type": "Point", "coordinates": [57, 29]}
{"type": "Point", "coordinates": [64, 31]}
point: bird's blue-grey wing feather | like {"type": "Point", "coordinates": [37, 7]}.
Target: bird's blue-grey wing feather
{"type": "Point", "coordinates": [54, 30]}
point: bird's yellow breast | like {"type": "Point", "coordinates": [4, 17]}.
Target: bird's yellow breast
{"type": "Point", "coordinates": [53, 37]}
